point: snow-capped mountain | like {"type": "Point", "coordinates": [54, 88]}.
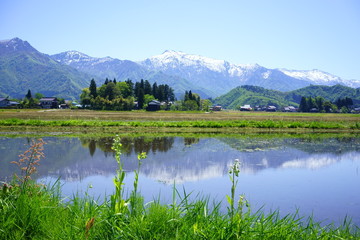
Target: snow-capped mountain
{"type": "Point", "coordinates": [210, 77]}
{"type": "Point", "coordinates": [320, 77]}
{"type": "Point", "coordinates": [75, 57]}
{"type": "Point", "coordinates": [220, 76]}
{"type": "Point", "coordinates": [101, 68]}
{"type": "Point", "coordinates": [107, 67]}
{"type": "Point", "coordinates": [15, 45]}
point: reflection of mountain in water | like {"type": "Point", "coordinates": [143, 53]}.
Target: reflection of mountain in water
{"type": "Point", "coordinates": [179, 159]}
{"type": "Point", "coordinates": [311, 153]}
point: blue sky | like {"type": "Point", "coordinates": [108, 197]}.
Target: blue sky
{"type": "Point", "coordinates": [293, 34]}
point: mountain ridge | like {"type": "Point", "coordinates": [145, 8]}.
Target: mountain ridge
{"type": "Point", "coordinates": [22, 67]}
{"type": "Point", "coordinates": [21, 64]}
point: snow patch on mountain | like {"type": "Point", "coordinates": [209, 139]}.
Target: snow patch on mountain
{"type": "Point", "coordinates": [74, 57]}
{"type": "Point", "coordinates": [312, 75]}
{"type": "Point", "coordinates": [176, 59]}
{"type": "Point", "coordinates": [320, 77]}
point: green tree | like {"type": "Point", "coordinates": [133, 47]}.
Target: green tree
{"type": "Point", "coordinates": [125, 90]}
{"type": "Point", "coordinates": [141, 98]}
{"type": "Point", "coordinates": [147, 87]}
{"type": "Point", "coordinates": [93, 88]}
{"type": "Point", "coordinates": [328, 106]}
{"type": "Point", "coordinates": [131, 86]}
{"type": "Point", "coordinates": [205, 105]}
{"type": "Point", "coordinates": [344, 109]}
{"type": "Point", "coordinates": [155, 90]}
{"type": "Point", "coordinates": [111, 92]}
{"type": "Point", "coordinates": [190, 105]}
{"type": "Point", "coordinates": [85, 97]}
{"type": "Point", "coordinates": [303, 105]}
{"type": "Point", "coordinates": [319, 102]}
{"type": "Point", "coordinates": [39, 95]}
{"type": "Point", "coordinates": [148, 98]}
{"type": "Point", "coordinates": [28, 95]}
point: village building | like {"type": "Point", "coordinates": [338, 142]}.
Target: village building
{"type": "Point", "coordinates": [216, 108]}
{"type": "Point", "coordinates": [246, 108]}
{"type": "Point", "coordinates": [271, 109]}
{"type": "Point", "coordinates": [4, 102]}
{"type": "Point", "coordinates": [290, 109]}
{"type": "Point", "coordinates": [153, 105]}
{"type": "Point", "coordinates": [49, 102]}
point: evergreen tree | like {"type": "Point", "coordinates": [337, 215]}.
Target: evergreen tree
{"type": "Point", "coordinates": [106, 81]}
{"type": "Point", "coordinates": [110, 91]}
{"type": "Point", "coordinates": [161, 93]}
{"type": "Point", "coordinates": [155, 90]}
{"type": "Point", "coordinates": [92, 88]}
{"type": "Point", "coordinates": [319, 101]}
{"type": "Point", "coordinates": [141, 98]}
{"type": "Point", "coordinates": [303, 105]}
{"type": "Point", "coordinates": [114, 81]}
{"type": "Point", "coordinates": [131, 87]}
{"type": "Point", "coordinates": [191, 96]}
{"type": "Point", "coordinates": [186, 96]}
{"type": "Point", "coordinates": [147, 87]}
{"type": "Point", "coordinates": [137, 89]}
{"type": "Point", "coordinates": [142, 84]}
{"type": "Point", "coordinates": [28, 95]}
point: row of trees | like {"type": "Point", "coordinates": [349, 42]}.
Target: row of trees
{"type": "Point", "coordinates": [318, 104]}
{"type": "Point", "coordinates": [192, 102]}
{"type": "Point", "coordinates": [113, 95]}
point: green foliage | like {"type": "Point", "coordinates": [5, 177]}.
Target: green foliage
{"type": "Point", "coordinates": [191, 102]}
{"type": "Point", "coordinates": [318, 104]}
{"type": "Point", "coordinates": [92, 88]}
{"type": "Point", "coordinates": [114, 95]}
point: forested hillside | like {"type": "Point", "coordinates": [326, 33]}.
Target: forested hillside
{"type": "Point", "coordinates": [254, 96]}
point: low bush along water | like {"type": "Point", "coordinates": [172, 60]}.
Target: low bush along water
{"type": "Point", "coordinates": [29, 210]}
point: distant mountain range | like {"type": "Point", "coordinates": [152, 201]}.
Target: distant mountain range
{"type": "Point", "coordinates": [22, 67]}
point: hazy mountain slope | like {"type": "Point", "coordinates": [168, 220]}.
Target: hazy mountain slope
{"type": "Point", "coordinates": [22, 67]}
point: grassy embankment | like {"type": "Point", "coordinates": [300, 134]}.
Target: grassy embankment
{"type": "Point", "coordinates": [30, 211]}
{"type": "Point", "coordinates": [110, 121]}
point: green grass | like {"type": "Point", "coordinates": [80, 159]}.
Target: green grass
{"type": "Point", "coordinates": [32, 211]}
{"type": "Point", "coordinates": [195, 124]}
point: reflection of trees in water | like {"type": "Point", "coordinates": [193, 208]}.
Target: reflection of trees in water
{"type": "Point", "coordinates": [191, 141]}
{"type": "Point", "coordinates": [129, 145]}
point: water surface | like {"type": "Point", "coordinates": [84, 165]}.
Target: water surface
{"type": "Point", "coordinates": [318, 176]}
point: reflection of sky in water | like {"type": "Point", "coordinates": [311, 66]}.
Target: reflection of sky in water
{"type": "Point", "coordinates": [279, 174]}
